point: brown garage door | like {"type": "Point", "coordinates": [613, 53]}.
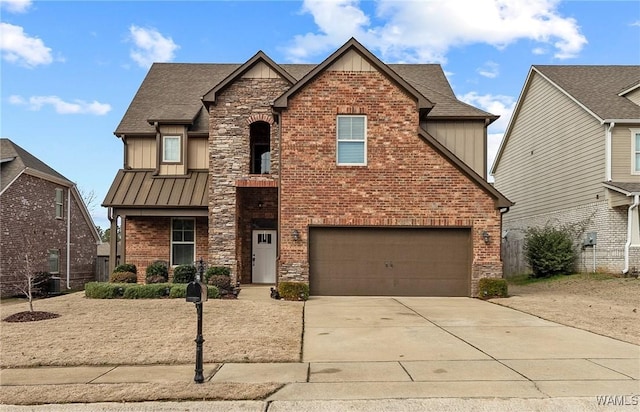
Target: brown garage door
{"type": "Point", "coordinates": [389, 261]}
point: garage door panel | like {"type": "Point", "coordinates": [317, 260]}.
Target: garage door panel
{"type": "Point", "coordinates": [390, 261]}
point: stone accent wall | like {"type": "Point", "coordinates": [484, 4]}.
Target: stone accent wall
{"type": "Point", "coordinates": [28, 227]}
{"type": "Point", "coordinates": [243, 102]}
{"type": "Point", "coordinates": [405, 183]}
{"type": "Point", "coordinates": [149, 240]}
{"type": "Point", "coordinates": [609, 224]}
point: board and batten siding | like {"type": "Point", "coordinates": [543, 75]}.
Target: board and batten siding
{"type": "Point", "coordinates": [141, 152]}
{"type": "Point", "coordinates": [465, 139]}
{"type": "Point", "coordinates": [197, 153]}
{"type": "Point", "coordinates": [554, 158]}
{"type": "Point", "coordinates": [621, 156]}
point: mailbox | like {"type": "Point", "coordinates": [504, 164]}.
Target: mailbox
{"type": "Point", "coordinates": [197, 292]}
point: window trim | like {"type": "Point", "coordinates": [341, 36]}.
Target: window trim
{"type": "Point", "coordinates": [635, 151]}
{"type": "Point", "coordinates": [59, 203]}
{"type": "Point", "coordinates": [364, 140]}
{"type": "Point", "coordinates": [56, 254]}
{"type": "Point", "coordinates": [172, 242]}
{"type": "Point", "coordinates": [163, 159]}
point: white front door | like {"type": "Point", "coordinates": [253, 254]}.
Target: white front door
{"type": "Point", "coordinates": [264, 256]}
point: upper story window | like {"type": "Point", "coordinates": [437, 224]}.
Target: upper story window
{"type": "Point", "coordinates": [635, 151]}
{"type": "Point", "coordinates": [59, 204]}
{"type": "Point", "coordinates": [260, 142]}
{"type": "Point", "coordinates": [171, 152]}
{"type": "Point", "coordinates": [351, 146]}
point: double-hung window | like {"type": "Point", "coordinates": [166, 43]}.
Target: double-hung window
{"type": "Point", "coordinates": [59, 204]}
{"type": "Point", "coordinates": [183, 241]}
{"type": "Point", "coordinates": [351, 145]}
{"type": "Point", "coordinates": [171, 149]}
{"type": "Point", "coordinates": [635, 151]}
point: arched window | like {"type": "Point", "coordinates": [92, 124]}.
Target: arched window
{"type": "Point", "coordinates": [259, 137]}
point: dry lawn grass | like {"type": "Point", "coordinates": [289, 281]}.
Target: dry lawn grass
{"type": "Point", "coordinates": [154, 331]}
{"type": "Point", "coordinates": [604, 304]}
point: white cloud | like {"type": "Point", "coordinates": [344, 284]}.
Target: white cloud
{"type": "Point", "coordinates": [151, 46]}
{"type": "Point", "coordinates": [495, 104]}
{"type": "Point", "coordinates": [489, 69]}
{"type": "Point", "coordinates": [16, 6]}
{"type": "Point", "coordinates": [635, 23]}
{"type": "Point", "coordinates": [62, 107]}
{"type": "Point", "coordinates": [424, 31]}
{"type": "Point", "coordinates": [17, 47]}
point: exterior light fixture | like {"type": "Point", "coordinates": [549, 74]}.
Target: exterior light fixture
{"type": "Point", "coordinates": [260, 204]}
{"type": "Point", "coordinates": [485, 236]}
{"type": "Point", "coordinates": [295, 235]}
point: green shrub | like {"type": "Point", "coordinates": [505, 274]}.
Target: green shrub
{"type": "Point", "coordinates": [220, 282]}
{"type": "Point", "coordinates": [180, 291]}
{"type": "Point", "coordinates": [492, 288]}
{"type": "Point", "coordinates": [184, 274]}
{"type": "Point", "coordinates": [549, 251]}
{"type": "Point", "coordinates": [157, 272]}
{"type": "Point", "coordinates": [293, 290]}
{"type": "Point", "coordinates": [126, 267]}
{"type": "Point", "coordinates": [216, 271]}
{"type": "Point", "coordinates": [123, 277]}
{"type": "Point", "coordinates": [153, 291]}
{"type": "Point", "coordinates": [104, 290]}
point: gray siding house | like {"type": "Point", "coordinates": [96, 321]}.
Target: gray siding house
{"type": "Point", "coordinates": [571, 155]}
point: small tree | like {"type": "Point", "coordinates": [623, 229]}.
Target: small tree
{"type": "Point", "coordinates": [550, 251]}
{"type": "Point", "coordinates": [32, 281]}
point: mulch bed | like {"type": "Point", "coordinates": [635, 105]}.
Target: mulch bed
{"type": "Point", "coordinates": [28, 316]}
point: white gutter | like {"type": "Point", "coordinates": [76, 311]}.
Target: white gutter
{"type": "Point", "coordinates": [68, 236]}
{"type": "Point", "coordinates": [636, 202]}
{"type": "Point", "coordinates": [607, 152]}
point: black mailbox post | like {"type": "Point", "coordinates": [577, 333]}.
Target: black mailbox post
{"type": "Point", "coordinates": [197, 293]}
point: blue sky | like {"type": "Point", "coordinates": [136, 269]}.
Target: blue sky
{"type": "Point", "coordinates": [69, 69]}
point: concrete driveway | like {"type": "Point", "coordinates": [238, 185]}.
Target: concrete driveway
{"type": "Point", "coordinates": [385, 347]}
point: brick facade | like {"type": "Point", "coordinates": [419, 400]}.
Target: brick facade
{"type": "Point", "coordinates": [405, 183]}
{"type": "Point", "coordinates": [28, 227]}
{"type": "Point", "coordinates": [609, 224]}
{"type": "Point", "coordinates": [149, 240]}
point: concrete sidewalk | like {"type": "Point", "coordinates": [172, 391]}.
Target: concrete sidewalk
{"type": "Point", "coordinates": [419, 349]}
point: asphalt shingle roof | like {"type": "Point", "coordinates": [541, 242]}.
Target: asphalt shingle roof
{"type": "Point", "coordinates": [598, 87]}
{"type": "Point", "coordinates": [15, 160]}
{"type": "Point", "coordinates": [174, 91]}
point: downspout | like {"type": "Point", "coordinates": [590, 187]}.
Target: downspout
{"type": "Point", "coordinates": [627, 246]}
{"type": "Point", "coordinates": [68, 237]}
{"type": "Point", "coordinates": [607, 152]}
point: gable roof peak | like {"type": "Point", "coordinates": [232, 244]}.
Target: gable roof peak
{"type": "Point", "coordinates": [260, 56]}
{"type": "Point", "coordinates": [423, 104]}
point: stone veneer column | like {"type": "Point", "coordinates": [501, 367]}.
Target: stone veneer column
{"type": "Point", "coordinates": [242, 102]}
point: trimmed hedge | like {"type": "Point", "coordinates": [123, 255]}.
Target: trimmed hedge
{"type": "Point", "coordinates": [293, 290]}
{"type": "Point", "coordinates": [104, 290]}
{"type": "Point", "coordinates": [123, 277]}
{"type": "Point", "coordinates": [216, 271]}
{"type": "Point", "coordinates": [126, 267]}
{"type": "Point", "coordinates": [184, 274]}
{"type": "Point", "coordinates": [492, 288]}
{"type": "Point", "coordinates": [157, 272]}
{"type": "Point", "coordinates": [180, 291]}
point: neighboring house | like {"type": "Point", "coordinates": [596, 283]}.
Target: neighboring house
{"type": "Point", "coordinates": [571, 156]}
{"type": "Point", "coordinates": [358, 177]}
{"type": "Point", "coordinates": [44, 223]}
